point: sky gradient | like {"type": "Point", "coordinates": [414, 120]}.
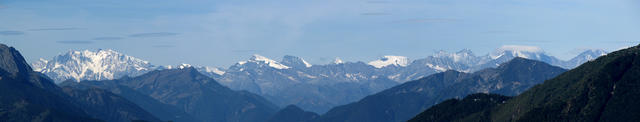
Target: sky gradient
{"type": "Point", "coordinates": [222, 32]}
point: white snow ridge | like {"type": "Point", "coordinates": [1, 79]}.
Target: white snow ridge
{"type": "Point", "coordinates": [517, 51]}
{"type": "Point", "coordinates": [271, 63]}
{"type": "Point", "coordinates": [390, 60]}
{"type": "Point", "coordinates": [92, 65]}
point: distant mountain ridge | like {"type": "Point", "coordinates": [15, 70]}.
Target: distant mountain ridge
{"type": "Point", "coordinates": [604, 89]}
{"type": "Point", "coordinates": [187, 91]}
{"type": "Point", "coordinates": [404, 101]}
{"type": "Point", "coordinates": [295, 81]}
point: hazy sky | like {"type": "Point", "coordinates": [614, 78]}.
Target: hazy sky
{"type": "Point", "coordinates": [222, 32]}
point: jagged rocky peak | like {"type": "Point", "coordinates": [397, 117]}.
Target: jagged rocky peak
{"type": "Point", "coordinates": [390, 60]}
{"type": "Point", "coordinates": [294, 61]}
{"type": "Point", "coordinates": [101, 64]}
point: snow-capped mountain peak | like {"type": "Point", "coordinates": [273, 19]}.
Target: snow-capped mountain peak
{"type": "Point", "coordinates": [294, 61]}
{"type": "Point", "coordinates": [91, 65]}
{"type": "Point", "coordinates": [530, 52]}
{"type": "Point", "coordinates": [180, 66]}
{"type": "Point", "coordinates": [462, 55]}
{"type": "Point", "coordinates": [390, 60]}
{"type": "Point", "coordinates": [214, 70]}
{"type": "Point", "coordinates": [338, 61]}
{"type": "Point", "coordinates": [40, 64]}
{"type": "Point", "coordinates": [587, 55]}
{"type": "Point", "coordinates": [264, 60]}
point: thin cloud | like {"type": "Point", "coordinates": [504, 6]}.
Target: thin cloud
{"type": "Point", "coordinates": [56, 29]}
{"type": "Point", "coordinates": [428, 20]}
{"type": "Point", "coordinates": [11, 33]}
{"type": "Point", "coordinates": [527, 41]}
{"type": "Point", "coordinates": [245, 51]}
{"type": "Point", "coordinates": [107, 38]}
{"type": "Point", "coordinates": [75, 42]}
{"type": "Point", "coordinates": [623, 42]}
{"type": "Point", "coordinates": [159, 34]}
{"type": "Point", "coordinates": [163, 46]}
{"type": "Point", "coordinates": [375, 14]}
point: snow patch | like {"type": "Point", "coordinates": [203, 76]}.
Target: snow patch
{"type": "Point", "coordinates": [390, 60]}
{"type": "Point", "coordinates": [517, 51]}
{"type": "Point", "coordinates": [271, 63]}
{"type": "Point", "coordinates": [338, 61]}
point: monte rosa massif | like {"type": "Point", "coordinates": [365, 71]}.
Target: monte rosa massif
{"type": "Point", "coordinates": [312, 87]}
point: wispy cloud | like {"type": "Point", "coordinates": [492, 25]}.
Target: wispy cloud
{"type": "Point", "coordinates": [75, 42]}
{"type": "Point", "coordinates": [107, 38]}
{"type": "Point", "coordinates": [163, 46]}
{"type": "Point", "coordinates": [624, 42]}
{"type": "Point", "coordinates": [428, 20]}
{"type": "Point", "coordinates": [245, 51]}
{"type": "Point", "coordinates": [158, 34]}
{"type": "Point", "coordinates": [11, 33]}
{"type": "Point", "coordinates": [527, 41]}
{"type": "Point", "coordinates": [56, 29]}
{"type": "Point", "coordinates": [375, 14]}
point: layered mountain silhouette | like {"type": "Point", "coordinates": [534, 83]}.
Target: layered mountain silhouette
{"type": "Point", "coordinates": [605, 89]}
{"type": "Point", "coordinates": [174, 92]}
{"type": "Point", "coordinates": [404, 101]}
{"type": "Point", "coordinates": [26, 95]}
{"type": "Point", "coordinates": [293, 80]}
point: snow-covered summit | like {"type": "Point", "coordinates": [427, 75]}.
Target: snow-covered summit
{"type": "Point", "coordinates": [390, 60]}
{"type": "Point", "coordinates": [180, 66]}
{"type": "Point", "coordinates": [338, 61]}
{"type": "Point", "coordinates": [530, 52]}
{"type": "Point", "coordinates": [294, 61]}
{"type": "Point", "coordinates": [264, 60]}
{"type": "Point", "coordinates": [464, 55]}
{"type": "Point", "coordinates": [91, 65]}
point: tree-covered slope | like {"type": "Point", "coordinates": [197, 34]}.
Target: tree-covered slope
{"type": "Point", "coordinates": [606, 89]}
{"type": "Point", "coordinates": [453, 109]}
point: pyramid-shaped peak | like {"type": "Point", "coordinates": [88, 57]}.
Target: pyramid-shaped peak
{"type": "Point", "coordinates": [12, 61]}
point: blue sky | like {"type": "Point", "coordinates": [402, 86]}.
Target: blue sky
{"type": "Point", "coordinates": [222, 32]}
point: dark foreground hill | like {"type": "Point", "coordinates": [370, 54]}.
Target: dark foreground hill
{"type": "Point", "coordinates": [186, 95]}
{"type": "Point", "coordinates": [292, 113]}
{"type": "Point", "coordinates": [453, 109]}
{"type": "Point", "coordinates": [404, 101]}
{"type": "Point", "coordinates": [29, 96]}
{"type": "Point", "coordinates": [606, 89]}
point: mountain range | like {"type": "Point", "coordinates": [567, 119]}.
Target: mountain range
{"type": "Point", "coordinates": [26, 95]}
{"type": "Point", "coordinates": [295, 81]}
{"type": "Point", "coordinates": [402, 102]}
{"type": "Point", "coordinates": [184, 94]}
{"type": "Point", "coordinates": [604, 89]}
